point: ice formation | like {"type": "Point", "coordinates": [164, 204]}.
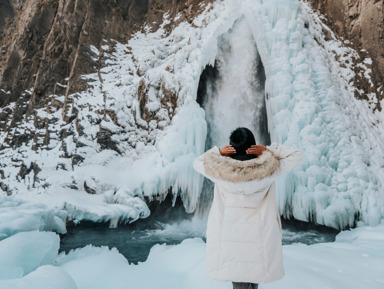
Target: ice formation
{"type": "Point", "coordinates": [149, 86]}
{"type": "Point", "coordinates": [19, 216]}
{"type": "Point", "coordinates": [234, 96]}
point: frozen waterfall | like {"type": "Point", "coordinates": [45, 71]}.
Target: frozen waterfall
{"type": "Point", "coordinates": [265, 65]}
{"type": "Point", "coordinates": [233, 94]}
{"type": "Point", "coordinates": [309, 106]}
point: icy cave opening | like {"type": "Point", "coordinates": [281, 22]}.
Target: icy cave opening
{"type": "Point", "coordinates": [232, 94]}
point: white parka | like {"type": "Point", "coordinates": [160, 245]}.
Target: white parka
{"type": "Point", "coordinates": [244, 228]}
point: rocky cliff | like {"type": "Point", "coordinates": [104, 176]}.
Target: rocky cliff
{"type": "Point", "coordinates": [45, 48]}
{"type": "Point", "coordinates": [361, 24]}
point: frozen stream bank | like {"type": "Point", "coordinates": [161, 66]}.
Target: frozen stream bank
{"type": "Point", "coordinates": [135, 242]}
{"type": "Point", "coordinates": [171, 225]}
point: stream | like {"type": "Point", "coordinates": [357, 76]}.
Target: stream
{"type": "Point", "coordinates": [135, 240]}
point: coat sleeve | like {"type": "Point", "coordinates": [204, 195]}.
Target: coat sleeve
{"type": "Point", "coordinates": [289, 158]}
{"type": "Point", "coordinates": [198, 164]}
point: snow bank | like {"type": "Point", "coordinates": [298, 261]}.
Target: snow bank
{"type": "Point", "coordinates": [19, 216]}
{"type": "Point", "coordinates": [355, 260]}
{"type": "Point", "coordinates": [96, 268]}
{"type": "Point", "coordinates": [143, 101]}
{"type": "Point", "coordinates": [25, 252]}
{"type": "Point", "coordinates": [45, 277]}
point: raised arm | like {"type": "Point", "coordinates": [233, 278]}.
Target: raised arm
{"type": "Point", "coordinates": [289, 158]}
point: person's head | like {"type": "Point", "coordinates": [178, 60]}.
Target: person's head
{"type": "Point", "coordinates": [241, 139]}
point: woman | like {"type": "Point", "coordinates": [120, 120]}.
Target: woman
{"type": "Point", "coordinates": [244, 227]}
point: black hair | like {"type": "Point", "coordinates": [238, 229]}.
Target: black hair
{"type": "Point", "coordinates": [241, 139]}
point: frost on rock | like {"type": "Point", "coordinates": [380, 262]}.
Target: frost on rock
{"type": "Point", "coordinates": [134, 132]}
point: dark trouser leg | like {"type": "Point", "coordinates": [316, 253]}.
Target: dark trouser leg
{"type": "Point", "coordinates": [240, 285]}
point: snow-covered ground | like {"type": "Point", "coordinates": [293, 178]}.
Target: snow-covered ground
{"type": "Point", "coordinates": [30, 260]}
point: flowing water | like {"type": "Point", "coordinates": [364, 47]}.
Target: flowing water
{"type": "Point", "coordinates": [171, 225]}
{"type": "Point", "coordinates": [135, 241]}
{"type": "Point", "coordinates": [232, 92]}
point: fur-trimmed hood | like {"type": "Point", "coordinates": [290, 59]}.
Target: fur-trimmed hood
{"type": "Point", "coordinates": [231, 170]}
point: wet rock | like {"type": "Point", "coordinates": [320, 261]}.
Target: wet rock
{"type": "Point", "coordinates": [5, 188]}
{"type": "Point", "coordinates": [88, 189]}
{"type": "Point", "coordinates": [105, 141]}
{"type": "Point", "coordinates": [24, 171]}
{"type": "Point", "coordinates": [77, 159]}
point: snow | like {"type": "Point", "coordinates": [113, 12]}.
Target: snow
{"type": "Point", "coordinates": [354, 260]}
{"type": "Point", "coordinates": [45, 277]}
{"type": "Point", "coordinates": [310, 106]}
{"type": "Point", "coordinates": [19, 216]}
{"type": "Point", "coordinates": [24, 252]}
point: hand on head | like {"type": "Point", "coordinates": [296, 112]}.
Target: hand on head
{"type": "Point", "coordinates": [227, 151]}
{"type": "Point", "coordinates": [256, 150]}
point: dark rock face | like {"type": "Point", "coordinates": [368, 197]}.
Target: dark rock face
{"type": "Point", "coordinates": [48, 41]}
{"type": "Point", "coordinates": [362, 24]}
{"type": "Point", "coordinates": [8, 9]}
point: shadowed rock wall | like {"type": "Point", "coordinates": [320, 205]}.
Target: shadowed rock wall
{"type": "Point", "coordinates": [47, 41]}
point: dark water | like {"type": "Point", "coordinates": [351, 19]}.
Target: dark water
{"type": "Point", "coordinates": [135, 241]}
{"type": "Point", "coordinates": [131, 241]}
{"type": "Point", "coordinates": [306, 233]}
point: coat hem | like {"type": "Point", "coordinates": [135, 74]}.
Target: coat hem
{"type": "Point", "coordinates": [258, 281]}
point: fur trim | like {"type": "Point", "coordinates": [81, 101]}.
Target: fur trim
{"type": "Point", "coordinates": [228, 169]}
